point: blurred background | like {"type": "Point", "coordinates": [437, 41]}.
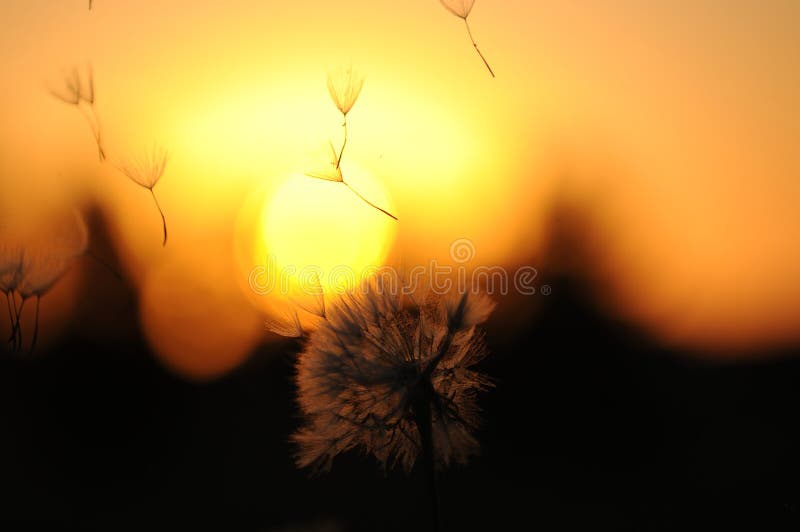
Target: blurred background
{"type": "Point", "coordinates": [641, 156]}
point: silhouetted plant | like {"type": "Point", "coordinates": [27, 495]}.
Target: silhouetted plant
{"type": "Point", "coordinates": [82, 96]}
{"type": "Point", "coordinates": [31, 273]}
{"type": "Point", "coordinates": [10, 276]}
{"type": "Point", "coordinates": [28, 270]}
{"type": "Point", "coordinates": [395, 378]}
{"type": "Point", "coordinates": [462, 9]}
{"type": "Point", "coordinates": [344, 86]}
{"type": "Point", "coordinates": [146, 172]}
{"type": "Point", "coordinates": [39, 273]}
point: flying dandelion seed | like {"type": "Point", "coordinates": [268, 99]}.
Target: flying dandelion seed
{"type": "Point", "coordinates": [329, 170]}
{"type": "Point", "coordinates": [146, 172]}
{"type": "Point", "coordinates": [82, 96]}
{"type": "Point", "coordinates": [344, 87]}
{"type": "Point", "coordinates": [462, 9]}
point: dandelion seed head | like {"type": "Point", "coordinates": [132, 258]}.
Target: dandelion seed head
{"type": "Point", "coordinates": [344, 86]}
{"type": "Point", "coordinates": [460, 8]}
{"type": "Point", "coordinates": [10, 267]}
{"type": "Point", "coordinates": [40, 271]}
{"type": "Point", "coordinates": [372, 360]}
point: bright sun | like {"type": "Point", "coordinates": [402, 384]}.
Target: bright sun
{"type": "Point", "coordinates": [318, 228]}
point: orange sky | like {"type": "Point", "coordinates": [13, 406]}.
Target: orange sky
{"type": "Point", "coordinates": [678, 119]}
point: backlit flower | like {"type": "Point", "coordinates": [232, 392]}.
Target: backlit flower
{"type": "Point", "coordinates": [376, 364]}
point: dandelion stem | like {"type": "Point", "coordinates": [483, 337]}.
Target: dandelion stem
{"type": "Point", "coordinates": [344, 143]}
{"type": "Point", "coordinates": [11, 318]}
{"type": "Point", "coordinates": [368, 202]}
{"type": "Point", "coordinates": [18, 327]}
{"type": "Point", "coordinates": [424, 420]}
{"type": "Point", "coordinates": [35, 325]}
{"type": "Point", "coordinates": [485, 62]}
{"type": "Point", "coordinates": [163, 218]}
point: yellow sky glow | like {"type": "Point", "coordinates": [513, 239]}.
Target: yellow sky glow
{"type": "Point", "coordinates": [683, 115]}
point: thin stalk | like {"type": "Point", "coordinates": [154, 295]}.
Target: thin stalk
{"type": "Point", "coordinates": [94, 123]}
{"type": "Point", "coordinates": [424, 420]}
{"type": "Point", "coordinates": [163, 218]}
{"type": "Point", "coordinates": [368, 202]}
{"type": "Point", "coordinates": [485, 62]}
{"type": "Point", "coordinates": [35, 325]}
{"type": "Point", "coordinates": [98, 134]}
{"type": "Point", "coordinates": [344, 143]}
{"type": "Point", "coordinates": [18, 327]}
{"type": "Point", "coordinates": [11, 318]}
